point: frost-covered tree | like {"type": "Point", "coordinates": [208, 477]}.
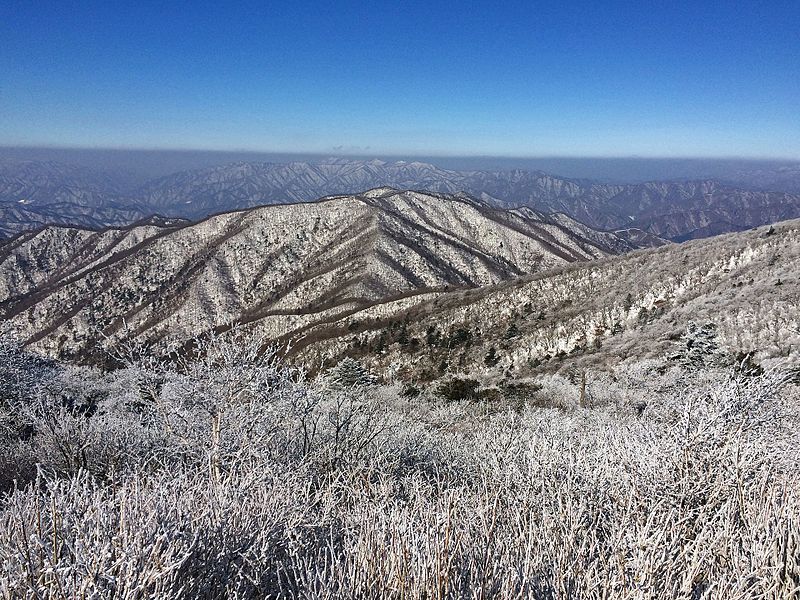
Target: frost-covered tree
{"type": "Point", "coordinates": [21, 372]}
{"type": "Point", "coordinates": [349, 373]}
{"type": "Point", "coordinates": [235, 477]}
{"type": "Point", "coordinates": [699, 348]}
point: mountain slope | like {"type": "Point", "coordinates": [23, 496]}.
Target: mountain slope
{"type": "Point", "coordinates": [680, 210]}
{"type": "Point", "coordinates": [49, 182]}
{"type": "Point", "coordinates": [632, 306]}
{"type": "Point", "coordinates": [784, 178]}
{"type": "Point", "coordinates": [280, 266]}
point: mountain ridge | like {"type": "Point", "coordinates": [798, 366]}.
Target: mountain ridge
{"type": "Point", "coordinates": [743, 286]}
{"type": "Point", "coordinates": [676, 210]}
{"type": "Point", "coordinates": [291, 260]}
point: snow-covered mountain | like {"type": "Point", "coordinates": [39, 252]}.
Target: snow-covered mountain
{"type": "Point", "coordinates": [416, 285]}
{"type": "Point", "coordinates": [742, 288]}
{"type": "Point", "coordinates": [784, 178]}
{"type": "Point", "coordinates": [677, 210]}
{"type": "Point", "coordinates": [37, 193]}
{"type": "Point", "coordinates": [244, 185]}
{"type": "Point", "coordinates": [674, 210]}
{"type": "Point", "coordinates": [48, 182]}
{"type": "Point", "coordinates": [284, 267]}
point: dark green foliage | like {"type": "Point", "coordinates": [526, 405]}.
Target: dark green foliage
{"type": "Point", "coordinates": [458, 337]}
{"type": "Point", "coordinates": [627, 303]}
{"type": "Point", "coordinates": [699, 348]}
{"type": "Point", "coordinates": [380, 346]}
{"type": "Point", "coordinates": [491, 358]}
{"type": "Point", "coordinates": [20, 371]}
{"type": "Point", "coordinates": [410, 391]}
{"type": "Point", "coordinates": [648, 316]}
{"type": "Point", "coordinates": [519, 389]}
{"type": "Point", "coordinates": [432, 336]}
{"type": "Point", "coordinates": [402, 335]}
{"type": "Point", "coordinates": [457, 389]}
{"type": "Point", "coordinates": [512, 331]}
{"type": "Point", "coordinates": [492, 398]}
{"type": "Point", "coordinates": [412, 345]}
{"type": "Point", "coordinates": [518, 394]}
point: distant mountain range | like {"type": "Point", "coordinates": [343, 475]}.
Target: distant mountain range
{"type": "Point", "coordinates": [784, 178]}
{"type": "Point", "coordinates": [285, 267]}
{"type": "Point", "coordinates": [35, 193]}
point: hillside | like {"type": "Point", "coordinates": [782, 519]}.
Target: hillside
{"type": "Point", "coordinates": [634, 307]}
{"type": "Point", "coordinates": [283, 267]}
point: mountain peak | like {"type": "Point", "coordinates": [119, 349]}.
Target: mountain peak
{"type": "Point", "coordinates": [379, 192]}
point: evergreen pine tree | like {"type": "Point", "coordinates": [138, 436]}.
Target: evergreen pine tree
{"type": "Point", "coordinates": [491, 358]}
{"type": "Point", "coordinates": [349, 373]}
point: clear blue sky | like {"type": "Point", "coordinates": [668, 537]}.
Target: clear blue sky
{"type": "Point", "coordinates": [507, 78]}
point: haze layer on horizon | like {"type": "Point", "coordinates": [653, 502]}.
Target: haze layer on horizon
{"type": "Point", "coordinates": [421, 78]}
{"type": "Point", "coordinates": [143, 164]}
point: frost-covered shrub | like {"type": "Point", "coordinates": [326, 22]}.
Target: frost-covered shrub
{"type": "Point", "coordinates": [251, 482]}
{"type": "Point", "coordinates": [557, 391]}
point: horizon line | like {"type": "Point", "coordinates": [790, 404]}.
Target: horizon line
{"type": "Point", "coordinates": [399, 155]}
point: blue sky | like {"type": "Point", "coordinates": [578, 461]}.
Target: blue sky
{"type": "Point", "coordinates": [513, 78]}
